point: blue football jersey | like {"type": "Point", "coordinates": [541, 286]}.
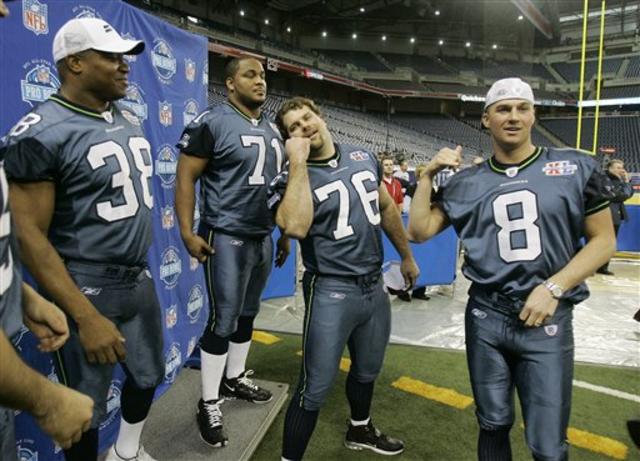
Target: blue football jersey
{"type": "Point", "coordinates": [10, 274]}
{"type": "Point", "coordinates": [101, 165]}
{"type": "Point", "coordinates": [244, 156]}
{"type": "Point", "coordinates": [345, 236]}
{"type": "Point", "coordinates": [522, 224]}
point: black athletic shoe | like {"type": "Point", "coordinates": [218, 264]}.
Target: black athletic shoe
{"type": "Point", "coordinates": [244, 388]}
{"type": "Point", "coordinates": [209, 419]}
{"type": "Point", "coordinates": [604, 272]}
{"type": "Point", "coordinates": [361, 437]}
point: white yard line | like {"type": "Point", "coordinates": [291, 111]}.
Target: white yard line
{"type": "Point", "coordinates": [607, 391]}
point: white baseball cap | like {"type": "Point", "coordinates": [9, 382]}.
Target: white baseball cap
{"type": "Point", "coordinates": [508, 88]}
{"type": "Point", "coordinates": [82, 34]}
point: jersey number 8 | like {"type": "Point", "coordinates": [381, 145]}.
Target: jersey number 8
{"type": "Point", "coordinates": [526, 224]}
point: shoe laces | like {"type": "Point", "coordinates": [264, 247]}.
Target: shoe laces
{"type": "Point", "coordinates": [246, 381]}
{"type": "Point", "coordinates": [214, 415]}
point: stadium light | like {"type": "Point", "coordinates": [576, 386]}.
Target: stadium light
{"type": "Point", "coordinates": [494, 46]}
{"type": "Point", "coordinates": [362, 9]}
{"type": "Point", "coordinates": [289, 29]}
{"type": "Point", "coordinates": [266, 21]}
{"type": "Point", "coordinates": [324, 33]}
{"type": "Point", "coordinates": [437, 12]}
{"type": "Point", "coordinates": [193, 19]}
{"type": "Point", "coordinates": [241, 12]}
{"type": "Point", "coordinates": [440, 42]}
{"type": "Point", "coordinates": [412, 40]}
{"type": "Point", "coordinates": [467, 44]}
{"type": "Point", "coordinates": [354, 36]}
{"type": "Point", "coordinates": [520, 17]}
{"type": "Point", "coordinates": [384, 38]}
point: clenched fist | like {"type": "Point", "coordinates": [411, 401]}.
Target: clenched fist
{"type": "Point", "coordinates": [297, 149]}
{"type": "Point", "coordinates": [445, 158]}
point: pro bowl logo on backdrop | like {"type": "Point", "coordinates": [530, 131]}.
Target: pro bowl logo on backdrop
{"type": "Point", "coordinates": [85, 11]}
{"type": "Point", "coordinates": [27, 450]}
{"type": "Point", "coordinates": [190, 111]}
{"type": "Point", "coordinates": [173, 360]}
{"type": "Point", "coordinates": [170, 267]}
{"type": "Point", "coordinates": [113, 403]}
{"type": "Point", "coordinates": [195, 303]}
{"type": "Point", "coordinates": [163, 60]}
{"type": "Point", "coordinates": [191, 346]}
{"type": "Point", "coordinates": [165, 113]}
{"type": "Point", "coordinates": [40, 81]}
{"type": "Point", "coordinates": [35, 16]}
{"type": "Point", "coordinates": [166, 165]}
{"type": "Point", "coordinates": [134, 101]}
{"type": "Point", "coordinates": [189, 70]}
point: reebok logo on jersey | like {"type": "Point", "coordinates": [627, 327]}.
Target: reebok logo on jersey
{"type": "Point", "coordinates": [478, 313]}
{"type": "Point", "coordinates": [551, 330]}
{"type": "Point", "coordinates": [90, 291]}
{"type": "Point", "coordinates": [561, 168]}
{"type": "Point", "coordinates": [236, 243]}
{"type": "Point", "coordinates": [335, 295]}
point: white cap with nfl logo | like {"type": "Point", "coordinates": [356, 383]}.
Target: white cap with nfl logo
{"type": "Point", "coordinates": [508, 88]}
{"type": "Point", "coordinates": [83, 34]}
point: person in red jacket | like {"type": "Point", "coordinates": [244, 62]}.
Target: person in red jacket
{"type": "Point", "coordinates": [393, 185]}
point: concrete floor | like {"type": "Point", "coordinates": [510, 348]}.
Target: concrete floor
{"type": "Point", "coordinates": [604, 329]}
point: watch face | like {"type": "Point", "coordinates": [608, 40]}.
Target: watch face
{"type": "Point", "coordinates": [556, 292]}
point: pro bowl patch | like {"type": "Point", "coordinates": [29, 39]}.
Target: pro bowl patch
{"type": "Point", "coordinates": [560, 168]}
{"type": "Point", "coordinates": [359, 156]}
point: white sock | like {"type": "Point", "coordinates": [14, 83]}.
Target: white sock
{"type": "Point", "coordinates": [128, 441]}
{"type": "Point", "coordinates": [361, 423]}
{"type": "Point", "coordinates": [237, 360]}
{"type": "Point", "coordinates": [211, 370]}
{"type": "Point", "coordinates": [284, 459]}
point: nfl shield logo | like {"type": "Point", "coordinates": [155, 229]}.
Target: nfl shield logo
{"type": "Point", "coordinates": [551, 330]}
{"type": "Point", "coordinates": [35, 17]}
{"type": "Point", "coordinates": [168, 219]}
{"type": "Point", "coordinates": [190, 70]}
{"type": "Point", "coordinates": [165, 113]}
{"type": "Point", "coordinates": [512, 172]}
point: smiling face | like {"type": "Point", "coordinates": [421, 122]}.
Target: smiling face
{"type": "Point", "coordinates": [103, 75]}
{"type": "Point", "coordinates": [510, 122]}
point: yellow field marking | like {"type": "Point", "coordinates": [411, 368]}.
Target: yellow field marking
{"type": "Point", "coordinates": [431, 392]}
{"type": "Point", "coordinates": [264, 337]}
{"type": "Point", "coordinates": [597, 443]}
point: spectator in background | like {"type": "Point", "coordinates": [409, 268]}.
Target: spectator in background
{"type": "Point", "coordinates": [393, 185]}
{"type": "Point", "coordinates": [407, 179]}
{"type": "Point", "coordinates": [620, 190]}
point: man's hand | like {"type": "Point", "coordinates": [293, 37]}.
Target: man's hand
{"type": "Point", "coordinates": [410, 272]}
{"type": "Point", "coordinates": [197, 247]}
{"type": "Point", "coordinates": [282, 250]}
{"type": "Point", "coordinates": [445, 158]}
{"type": "Point", "coordinates": [64, 414]}
{"type": "Point", "coordinates": [45, 320]}
{"type": "Point", "coordinates": [101, 340]}
{"type": "Point", "coordinates": [297, 149]}
{"type": "Point", "coordinates": [540, 306]}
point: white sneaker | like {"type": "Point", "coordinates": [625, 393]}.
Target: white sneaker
{"type": "Point", "coordinates": [140, 456]}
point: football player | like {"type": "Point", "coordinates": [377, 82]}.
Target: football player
{"type": "Point", "coordinates": [520, 216]}
{"type": "Point", "coordinates": [235, 151]}
{"type": "Point", "coordinates": [332, 199]}
{"type": "Point", "coordinates": [80, 169]}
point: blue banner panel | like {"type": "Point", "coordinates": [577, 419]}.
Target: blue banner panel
{"type": "Point", "coordinates": [168, 88]}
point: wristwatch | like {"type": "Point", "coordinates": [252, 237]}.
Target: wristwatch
{"type": "Point", "coordinates": [556, 290]}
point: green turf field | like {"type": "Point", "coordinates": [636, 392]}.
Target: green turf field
{"type": "Point", "coordinates": [432, 430]}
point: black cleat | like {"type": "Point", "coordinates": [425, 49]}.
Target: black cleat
{"type": "Point", "coordinates": [370, 438]}
{"type": "Point", "coordinates": [209, 419]}
{"type": "Point", "coordinates": [244, 388]}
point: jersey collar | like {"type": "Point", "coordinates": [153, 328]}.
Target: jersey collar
{"type": "Point", "coordinates": [327, 162]}
{"type": "Point", "coordinates": [81, 109]}
{"type": "Point", "coordinates": [253, 121]}
{"type": "Point", "coordinates": [502, 168]}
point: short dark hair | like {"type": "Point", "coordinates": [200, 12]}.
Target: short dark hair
{"type": "Point", "coordinates": [231, 68]}
{"type": "Point", "coordinates": [295, 103]}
